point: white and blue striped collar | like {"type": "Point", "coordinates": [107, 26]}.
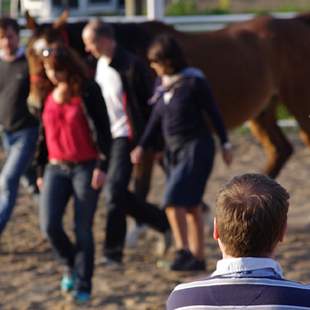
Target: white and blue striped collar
{"type": "Point", "coordinates": [245, 264]}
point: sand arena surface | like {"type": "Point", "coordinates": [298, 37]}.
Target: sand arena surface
{"type": "Point", "coordinates": [29, 275]}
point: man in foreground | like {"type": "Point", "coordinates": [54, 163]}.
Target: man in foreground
{"type": "Point", "coordinates": [250, 221]}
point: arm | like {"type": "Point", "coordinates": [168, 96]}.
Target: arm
{"type": "Point", "coordinates": [41, 156]}
{"type": "Point", "coordinates": [208, 104]}
{"type": "Point", "coordinates": [149, 137]}
{"type": "Point", "coordinates": [152, 129]}
{"type": "Point", "coordinates": [139, 90]}
{"type": "Point", "coordinates": [97, 113]}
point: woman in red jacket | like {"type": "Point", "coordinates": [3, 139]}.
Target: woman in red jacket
{"type": "Point", "coordinates": [73, 149]}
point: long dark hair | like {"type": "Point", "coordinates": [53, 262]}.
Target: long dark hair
{"type": "Point", "coordinates": [64, 58]}
{"type": "Point", "coordinates": [166, 51]}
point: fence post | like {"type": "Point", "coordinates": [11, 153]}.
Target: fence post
{"type": "Point", "coordinates": [133, 7]}
{"type": "Point", "coordinates": [155, 9]}
{"type": "Point", "coordinates": [14, 8]}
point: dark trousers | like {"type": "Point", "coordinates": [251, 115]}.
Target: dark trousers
{"type": "Point", "coordinates": [120, 201]}
{"type": "Point", "coordinates": [60, 183]}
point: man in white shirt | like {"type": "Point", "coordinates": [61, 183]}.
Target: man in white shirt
{"type": "Point", "coordinates": [250, 221]}
{"type": "Point", "coordinates": [126, 86]}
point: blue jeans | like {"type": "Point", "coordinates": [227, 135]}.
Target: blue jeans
{"type": "Point", "coordinates": [19, 147]}
{"type": "Point", "coordinates": [60, 183]}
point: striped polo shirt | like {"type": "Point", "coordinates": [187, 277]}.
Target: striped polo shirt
{"type": "Point", "coordinates": [242, 283]}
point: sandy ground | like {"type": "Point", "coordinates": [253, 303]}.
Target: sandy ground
{"type": "Point", "coordinates": [29, 274]}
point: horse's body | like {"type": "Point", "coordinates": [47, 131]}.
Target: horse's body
{"type": "Point", "coordinates": [248, 64]}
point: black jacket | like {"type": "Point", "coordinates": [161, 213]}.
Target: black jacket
{"type": "Point", "coordinates": [14, 90]}
{"type": "Point", "coordinates": [137, 83]}
{"type": "Point", "coordinates": [98, 120]}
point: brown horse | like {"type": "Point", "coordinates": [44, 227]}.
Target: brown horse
{"type": "Point", "coordinates": [249, 65]}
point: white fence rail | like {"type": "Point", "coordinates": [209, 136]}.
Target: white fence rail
{"type": "Point", "coordinates": [184, 23]}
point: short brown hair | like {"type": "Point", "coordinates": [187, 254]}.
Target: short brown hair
{"type": "Point", "coordinates": [7, 22]}
{"type": "Point", "coordinates": [251, 215]}
{"type": "Point", "coordinates": [166, 51]}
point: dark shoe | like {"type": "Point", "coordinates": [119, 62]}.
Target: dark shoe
{"type": "Point", "coordinates": [196, 265]}
{"type": "Point", "coordinates": [185, 261]}
{"type": "Point", "coordinates": [114, 255]}
{"type": "Point", "coordinates": [81, 297]}
{"type": "Point", "coordinates": [182, 259]}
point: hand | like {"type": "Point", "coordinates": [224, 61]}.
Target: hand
{"type": "Point", "coordinates": [136, 155]}
{"type": "Point", "coordinates": [98, 179]}
{"type": "Point", "coordinates": [227, 155]}
{"type": "Point", "coordinates": [39, 182]}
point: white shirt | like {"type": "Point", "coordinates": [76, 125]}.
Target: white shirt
{"type": "Point", "coordinates": [111, 86]}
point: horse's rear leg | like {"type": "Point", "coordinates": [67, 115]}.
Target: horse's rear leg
{"type": "Point", "coordinates": [302, 117]}
{"type": "Point", "coordinates": [276, 146]}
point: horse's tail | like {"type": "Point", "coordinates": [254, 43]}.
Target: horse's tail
{"type": "Point", "coordinates": [304, 17]}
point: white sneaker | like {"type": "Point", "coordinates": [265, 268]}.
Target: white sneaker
{"type": "Point", "coordinates": [134, 235]}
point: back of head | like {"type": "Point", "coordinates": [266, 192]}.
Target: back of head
{"type": "Point", "coordinates": [165, 50]}
{"type": "Point", "coordinates": [251, 215]}
{"type": "Point", "coordinates": [7, 22]}
{"type": "Point", "coordinates": [100, 28]}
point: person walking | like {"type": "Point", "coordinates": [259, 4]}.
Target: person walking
{"type": "Point", "coordinates": [73, 150]}
{"type": "Point", "coordinates": [19, 126]}
{"type": "Point", "coordinates": [181, 102]}
{"type": "Point", "coordinates": [125, 86]}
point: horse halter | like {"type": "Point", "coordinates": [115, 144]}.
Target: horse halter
{"type": "Point", "coordinates": [53, 51]}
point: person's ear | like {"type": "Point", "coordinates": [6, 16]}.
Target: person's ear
{"type": "Point", "coordinates": [215, 230]}
{"type": "Point", "coordinates": [283, 233]}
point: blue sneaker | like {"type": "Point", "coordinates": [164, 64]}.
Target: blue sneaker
{"type": "Point", "coordinates": [81, 297]}
{"type": "Point", "coordinates": [67, 282]}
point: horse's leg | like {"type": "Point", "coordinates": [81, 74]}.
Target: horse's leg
{"type": "Point", "coordinates": [305, 136]}
{"type": "Point", "coordinates": [301, 113]}
{"type": "Point", "coordinates": [297, 101]}
{"type": "Point", "coordinates": [276, 146]}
